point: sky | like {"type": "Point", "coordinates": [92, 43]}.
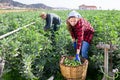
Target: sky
{"type": "Point", "coordinates": [73, 4]}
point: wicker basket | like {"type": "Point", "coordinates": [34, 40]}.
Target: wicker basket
{"type": "Point", "coordinates": [74, 73]}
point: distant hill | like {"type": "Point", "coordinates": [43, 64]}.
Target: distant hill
{"type": "Point", "coordinates": [6, 1]}
{"type": "Point", "coordinates": [39, 5]}
{"type": "Point", "coordinates": [21, 5]}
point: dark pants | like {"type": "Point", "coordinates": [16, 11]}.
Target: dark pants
{"type": "Point", "coordinates": [54, 30]}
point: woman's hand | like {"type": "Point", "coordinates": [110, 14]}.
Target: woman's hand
{"type": "Point", "coordinates": [77, 58]}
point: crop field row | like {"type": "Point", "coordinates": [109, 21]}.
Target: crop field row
{"type": "Point", "coordinates": [29, 55]}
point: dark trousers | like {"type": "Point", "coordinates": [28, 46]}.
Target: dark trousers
{"type": "Point", "coordinates": [54, 30]}
{"type": "Point", "coordinates": [52, 37]}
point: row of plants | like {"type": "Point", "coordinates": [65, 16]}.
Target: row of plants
{"type": "Point", "coordinates": [29, 54]}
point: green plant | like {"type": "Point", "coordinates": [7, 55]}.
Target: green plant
{"type": "Point", "coordinates": [29, 54]}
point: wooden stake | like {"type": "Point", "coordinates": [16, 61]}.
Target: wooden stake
{"type": "Point", "coordinates": [105, 63]}
{"type": "Point", "coordinates": [106, 47]}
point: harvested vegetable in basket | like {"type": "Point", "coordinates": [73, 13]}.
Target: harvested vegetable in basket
{"type": "Point", "coordinates": [71, 62]}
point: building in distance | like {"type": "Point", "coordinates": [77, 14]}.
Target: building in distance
{"type": "Point", "coordinates": [87, 7]}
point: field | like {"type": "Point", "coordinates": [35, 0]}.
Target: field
{"type": "Point", "coordinates": [29, 55]}
{"type": "Point", "coordinates": [14, 10]}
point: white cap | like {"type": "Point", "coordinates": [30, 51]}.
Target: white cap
{"type": "Point", "coordinates": [75, 14]}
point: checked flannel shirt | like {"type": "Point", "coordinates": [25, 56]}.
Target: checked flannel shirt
{"type": "Point", "coordinates": [82, 31]}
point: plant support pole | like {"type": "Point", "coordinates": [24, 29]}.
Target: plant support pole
{"type": "Point", "coordinates": [105, 63]}
{"type": "Point", "coordinates": [106, 47]}
{"type": "Point", "coordinates": [9, 33]}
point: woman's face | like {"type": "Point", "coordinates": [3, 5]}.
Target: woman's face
{"type": "Point", "coordinates": [73, 21]}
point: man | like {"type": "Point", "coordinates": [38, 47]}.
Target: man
{"type": "Point", "coordinates": [53, 21]}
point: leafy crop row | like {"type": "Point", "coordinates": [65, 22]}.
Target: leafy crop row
{"type": "Point", "coordinates": [29, 54]}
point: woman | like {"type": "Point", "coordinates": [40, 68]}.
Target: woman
{"type": "Point", "coordinates": [81, 32]}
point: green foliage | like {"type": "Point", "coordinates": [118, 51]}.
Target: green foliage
{"type": "Point", "coordinates": [71, 62]}
{"type": "Point", "coordinates": [29, 54]}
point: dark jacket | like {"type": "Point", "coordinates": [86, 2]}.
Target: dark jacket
{"type": "Point", "coordinates": [52, 20]}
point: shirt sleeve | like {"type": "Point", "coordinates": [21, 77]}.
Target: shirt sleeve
{"type": "Point", "coordinates": [49, 20]}
{"type": "Point", "coordinates": [80, 37]}
{"type": "Point", "coordinates": [88, 30]}
{"type": "Point", "coordinates": [72, 34]}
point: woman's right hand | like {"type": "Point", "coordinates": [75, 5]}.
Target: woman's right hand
{"type": "Point", "coordinates": [77, 58]}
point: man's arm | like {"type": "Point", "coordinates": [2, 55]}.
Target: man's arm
{"type": "Point", "coordinates": [49, 20]}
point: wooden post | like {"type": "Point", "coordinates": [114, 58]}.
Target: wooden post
{"type": "Point", "coordinates": [106, 47]}
{"type": "Point", "coordinates": [2, 63]}
{"type": "Point", "coordinates": [105, 63]}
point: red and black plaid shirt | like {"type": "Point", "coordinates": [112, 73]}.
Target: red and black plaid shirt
{"type": "Point", "coordinates": [82, 31]}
